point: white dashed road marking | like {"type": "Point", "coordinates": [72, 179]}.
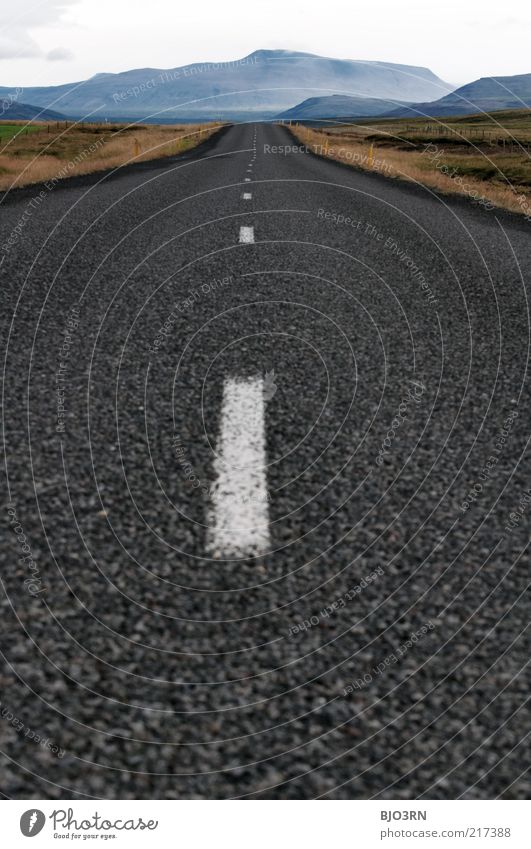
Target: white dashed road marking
{"type": "Point", "coordinates": [247, 195]}
{"type": "Point", "coordinates": [246, 234]}
{"type": "Point", "coordinates": [239, 513]}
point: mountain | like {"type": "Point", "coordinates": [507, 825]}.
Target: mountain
{"type": "Point", "coordinates": [11, 110]}
{"type": "Point", "coordinates": [484, 95]}
{"type": "Point", "coordinates": [260, 85]}
{"type": "Point", "coordinates": [339, 106]}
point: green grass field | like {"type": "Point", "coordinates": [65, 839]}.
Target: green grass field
{"type": "Point", "coordinates": [7, 130]}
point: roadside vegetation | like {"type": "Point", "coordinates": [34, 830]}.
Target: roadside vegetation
{"type": "Point", "coordinates": [7, 130]}
{"type": "Point", "coordinates": [40, 152]}
{"type": "Point", "coordinates": [486, 157]}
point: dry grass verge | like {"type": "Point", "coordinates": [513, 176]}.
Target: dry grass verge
{"type": "Point", "coordinates": [491, 173]}
{"type": "Point", "coordinates": [52, 152]}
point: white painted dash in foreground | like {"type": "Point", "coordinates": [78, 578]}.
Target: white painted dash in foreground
{"type": "Point", "coordinates": [247, 195]}
{"type": "Point", "coordinates": [246, 234]}
{"type": "Point", "coordinates": [239, 512]}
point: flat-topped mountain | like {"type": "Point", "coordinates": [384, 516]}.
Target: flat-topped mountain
{"type": "Point", "coordinates": [259, 85]}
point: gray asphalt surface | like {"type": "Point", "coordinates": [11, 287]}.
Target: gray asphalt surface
{"type": "Point", "coordinates": [134, 664]}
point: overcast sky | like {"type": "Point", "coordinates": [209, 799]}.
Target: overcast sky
{"type": "Point", "coordinates": [53, 41]}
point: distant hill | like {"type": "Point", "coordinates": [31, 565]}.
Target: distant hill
{"type": "Point", "coordinates": [262, 84]}
{"type": "Point", "coordinates": [12, 110]}
{"type": "Point", "coordinates": [484, 95]}
{"type": "Point", "coordinates": [339, 106]}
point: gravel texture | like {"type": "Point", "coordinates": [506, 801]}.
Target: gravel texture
{"type": "Point", "coordinates": [378, 649]}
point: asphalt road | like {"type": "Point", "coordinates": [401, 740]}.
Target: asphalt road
{"type": "Point", "coordinates": [342, 615]}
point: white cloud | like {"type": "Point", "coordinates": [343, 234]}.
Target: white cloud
{"type": "Point", "coordinates": [117, 35]}
{"type": "Point", "coordinates": [18, 22]}
{"type": "Point", "coordinates": [17, 44]}
{"type": "Point", "coordinates": [59, 54]}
